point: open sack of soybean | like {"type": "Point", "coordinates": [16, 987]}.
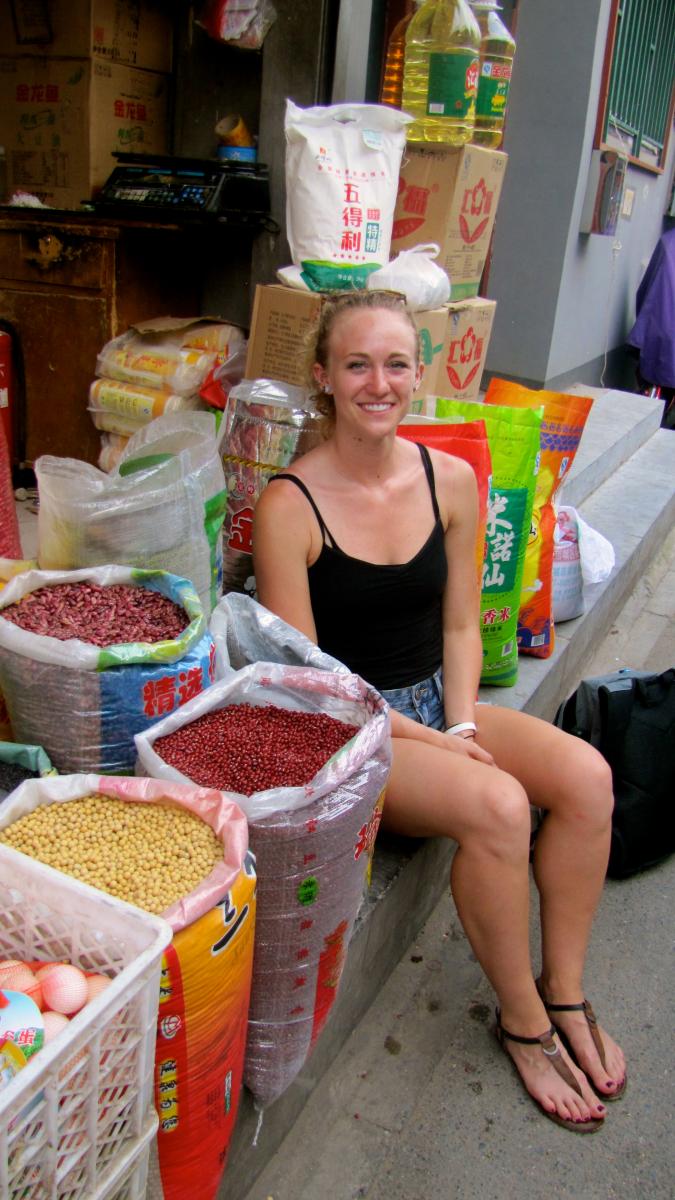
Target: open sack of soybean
{"type": "Point", "coordinates": [88, 658]}
{"type": "Point", "coordinates": [305, 754]}
{"type": "Point", "coordinates": [162, 506]}
{"type": "Point", "coordinates": [180, 852]}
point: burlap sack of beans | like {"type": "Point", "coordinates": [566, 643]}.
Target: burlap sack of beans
{"type": "Point", "coordinates": [266, 425]}
{"type": "Point", "coordinates": [312, 846]}
{"type": "Point", "coordinates": [82, 703]}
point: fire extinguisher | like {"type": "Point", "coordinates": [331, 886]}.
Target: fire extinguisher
{"type": "Point", "coordinates": [7, 391]}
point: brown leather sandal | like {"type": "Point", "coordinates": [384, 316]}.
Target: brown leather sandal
{"type": "Point", "coordinates": [552, 1051]}
{"type": "Point", "coordinates": [592, 1022]}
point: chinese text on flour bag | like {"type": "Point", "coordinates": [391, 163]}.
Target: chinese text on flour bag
{"type": "Point", "coordinates": [342, 170]}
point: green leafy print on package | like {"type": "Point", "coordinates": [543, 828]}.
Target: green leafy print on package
{"type": "Point", "coordinates": [214, 516]}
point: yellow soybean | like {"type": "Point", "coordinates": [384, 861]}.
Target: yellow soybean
{"type": "Point", "coordinates": [147, 854]}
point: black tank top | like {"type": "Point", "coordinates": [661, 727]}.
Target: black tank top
{"type": "Point", "coordinates": [383, 621]}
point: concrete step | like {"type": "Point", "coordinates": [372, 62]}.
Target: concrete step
{"type": "Point", "coordinates": [617, 425]}
{"type": "Point", "coordinates": [623, 485]}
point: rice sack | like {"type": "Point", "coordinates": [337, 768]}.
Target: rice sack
{"type": "Point", "coordinates": [342, 172]}
{"type": "Point", "coordinates": [182, 852]}
{"type": "Point", "coordinates": [513, 435]}
{"type": "Point", "coordinates": [468, 441]}
{"type": "Point", "coordinates": [561, 429]}
{"type": "Point", "coordinates": [311, 840]}
{"type": "Point", "coordinates": [88, 658]}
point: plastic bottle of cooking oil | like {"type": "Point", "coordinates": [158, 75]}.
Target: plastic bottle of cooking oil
{"type": "Point", "coordinates": [392, 79]}
{"type": "Point", "coordinates": [497, 49]}
{"type": "Point", "coordinates": [440, 75]}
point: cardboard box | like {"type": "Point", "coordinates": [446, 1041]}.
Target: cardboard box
{"type": "Point", "coordinates": [282, 318]}
{"type": "Point", "coordinates": [458, 367]}
{"type": "Point", "coordinates": [61, 119]}
{"type": "Point", "coordinates": [453, 342]}
{"type": "Point", "coordinates": [432, 326]}
{"type": "Point", "coordinates": [450, 197]}
{"type": "Point", "coordinates": [138, 33]}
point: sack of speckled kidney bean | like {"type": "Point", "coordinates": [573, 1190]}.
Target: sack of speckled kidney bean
{"type": "Point", "coordinates": [244, 632]}
{"type": "Point", "coordinates": [305, 753]}
{"type": "Point", "coordinates": [89, 658]}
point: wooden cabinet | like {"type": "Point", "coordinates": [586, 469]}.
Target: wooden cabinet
{"type": "Point", "coordinates": [70, 282]}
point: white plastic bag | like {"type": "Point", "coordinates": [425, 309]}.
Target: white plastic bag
{"type": "Point", "coordinates": [244, 632]}
{"type": "Point", "coordinates": [581, 556]}
{"type": "Point", "coordinates": [162, 506]}
{"type": "Point", "coordinates": [413, 272]}
{"type": "Point", "coordinates": [342, 172]}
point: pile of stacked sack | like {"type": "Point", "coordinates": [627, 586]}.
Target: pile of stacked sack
{"type": "Point", "coordinates": [156, 367]}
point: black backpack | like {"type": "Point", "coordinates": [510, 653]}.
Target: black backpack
{"type": "Point", "coordinates": [630, 718]}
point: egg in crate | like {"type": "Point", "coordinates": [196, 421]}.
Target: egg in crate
{"type": "Point", "coordinates": [64, 989]}
{"type": "Point", "coordinates": [17, 976]}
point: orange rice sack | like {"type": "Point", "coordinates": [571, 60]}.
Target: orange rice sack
{"type": "Point", "coordinates": [561, 429]}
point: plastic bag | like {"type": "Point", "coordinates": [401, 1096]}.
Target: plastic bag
{"type": "Point", "coordinates": [311, 845]}
{"type": "Point", "coordinates": [84, 703]}
{"type": "Point", "coordinates": [220, 381]}
{"type": "Point", "coordinates": [162, 506]}
{"type": "Point", "coordinates": [150, 361]}
{"type": "Point", "coordinates": [266, 425]}
{"type": "Point", "coordinates": [242, 23]}
{"type": "Point", "coordinates": [113, 446]}
{"type": "Point", "coordinates": [244, 632]}
{"type": "Point", "coordinates": [565, 416]}
{"type": "Point", "coordinates": [123, 408]}
{"type": "Point", "coordinates": [342, 170]}
{"type": "Point", "coordinates": [204, 986]}
{"type": "Point", "coordinates": [413, 272]}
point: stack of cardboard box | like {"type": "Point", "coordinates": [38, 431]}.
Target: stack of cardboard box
{"type": "Point", "coordinates": [80, 79]}
{"type": "Point", "coordinates": [448, 197]}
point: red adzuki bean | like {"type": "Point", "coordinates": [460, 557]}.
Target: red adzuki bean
{"type": "Point", "coordinates": [101, 616]}
{"type": "Point", "coordinates": [248, 748]}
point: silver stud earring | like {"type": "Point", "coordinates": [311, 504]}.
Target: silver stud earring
{"type": "Point", "coordinates": [326, 388]}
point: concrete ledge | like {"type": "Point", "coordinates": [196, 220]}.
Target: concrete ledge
{"type": "Point", "coordinates": [618, 424]}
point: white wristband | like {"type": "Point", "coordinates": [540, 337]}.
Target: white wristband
{"type": "Point", "coordinates": [459, 728]}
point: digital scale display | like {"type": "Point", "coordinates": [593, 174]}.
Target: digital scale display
{"type": "Point", "coordinates": [164, 187]}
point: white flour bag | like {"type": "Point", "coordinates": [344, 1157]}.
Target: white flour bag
{"type": "Point", "coordinates": [342, 172]}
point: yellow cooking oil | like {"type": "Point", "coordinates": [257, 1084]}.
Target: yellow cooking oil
{"type": "Point", "coordinates": [497, 49]}
{"type": "Point", "coordinates": [440, 74]}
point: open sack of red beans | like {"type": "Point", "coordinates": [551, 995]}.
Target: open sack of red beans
{"type": "Point", "coordinates": [305, 754]}
{"type": "Point", "coordinates": [88, 658]}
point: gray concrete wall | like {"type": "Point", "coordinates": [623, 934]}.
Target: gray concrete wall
{"type": "Point", "coordinates": [564, 300]}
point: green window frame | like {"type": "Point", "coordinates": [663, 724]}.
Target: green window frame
{"type": "Point", "coordinates": [637, 97]}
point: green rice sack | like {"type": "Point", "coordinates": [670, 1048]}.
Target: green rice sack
{"type": "Point", "coordinates": [513, 435]}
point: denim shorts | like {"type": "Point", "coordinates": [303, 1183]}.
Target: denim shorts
{"type": "Point", "coordinates": [422, 702]}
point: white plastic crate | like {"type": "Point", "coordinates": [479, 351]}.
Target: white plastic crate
{"type": "Point", "coordinates": [77, 1121]}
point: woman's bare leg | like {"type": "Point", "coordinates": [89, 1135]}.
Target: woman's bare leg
{"type": "Point", "coordinates": [433, 791]}
{"type": "Point", "coordinates": [569, 779]}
